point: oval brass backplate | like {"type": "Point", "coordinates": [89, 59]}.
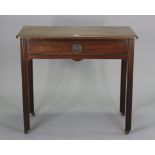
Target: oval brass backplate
{"type": "Point", "coordinates": [76, 48]}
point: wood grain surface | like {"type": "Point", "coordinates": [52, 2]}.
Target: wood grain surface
{"type": "Point", "coordinates": [91, 32]}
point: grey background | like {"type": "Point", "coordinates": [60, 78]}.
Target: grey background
{"type": "Point", "coordinates": [77, 100]}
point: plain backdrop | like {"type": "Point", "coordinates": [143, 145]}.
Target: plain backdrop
{"type": "Point", "coordinates": [77, 100]}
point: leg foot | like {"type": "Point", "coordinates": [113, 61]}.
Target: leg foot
{"type": "Point", "coordinates": [33, 113]}
{"type": "Point", "coordinates": [127, 132]}
{"type": "Point", "coordinates": [123, 113]}
{"type": "Point", "coordinates": [26, 131]}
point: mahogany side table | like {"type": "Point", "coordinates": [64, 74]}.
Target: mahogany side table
{"type": "Point", "coordinates": [77, 43]}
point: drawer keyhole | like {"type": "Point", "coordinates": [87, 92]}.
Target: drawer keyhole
{"type": "Point", "coordinates": [76, 48]}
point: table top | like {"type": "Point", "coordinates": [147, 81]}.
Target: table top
{"type": "Point", "coordinates": [67, 32]}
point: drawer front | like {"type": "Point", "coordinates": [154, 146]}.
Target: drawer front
{"type": "Point", "coordinates": [79, 47]}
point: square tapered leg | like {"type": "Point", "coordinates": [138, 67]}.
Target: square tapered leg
{"type": "Point", "coordinates": [30, 85]}
{"type": "Point", "coordinates": [123, 87]}
{"type": "Point", "coordinates": [130, 62]}
{"type": "Point", "coordinates": [24, 70]}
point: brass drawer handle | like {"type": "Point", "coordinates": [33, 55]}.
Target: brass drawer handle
{"type": "Point", "coordinates": [76, 48]}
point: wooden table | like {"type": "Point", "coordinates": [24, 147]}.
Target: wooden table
{"type": "Point", "coordinates": [77, 43]}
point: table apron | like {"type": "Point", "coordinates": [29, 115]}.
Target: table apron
{"type": "Point", "coordinates": [99, 56]}
{"type": "Point", "coordinates": [88, 49]}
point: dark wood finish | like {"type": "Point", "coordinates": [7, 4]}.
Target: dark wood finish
{"type": "Point", "coordinates": [24, 68]}
{"type": "Point", "coordinates": [130, 62]}
{"type": "Point", "coordinates": [77, 43]}
{"type": "Point", "coordinates": [123, 86]}
{"type": "Point", "coordinates": [88, 32]}
{"type": "Point", "coordinates": [90, 47]}
{"type": "Point", "coordinates": [30, 85]}
{"type": "Point", "coordinates": [75, 57]}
